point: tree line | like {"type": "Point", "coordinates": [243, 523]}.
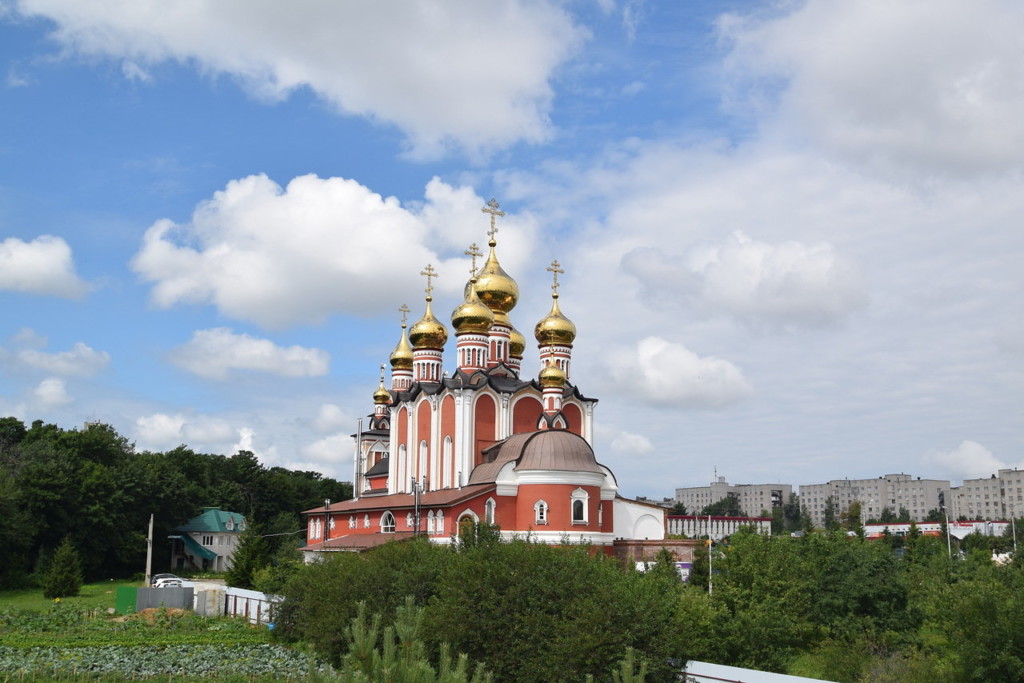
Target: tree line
{"type": "Point", "coordinates": [91, 487]}
{"type": "Point", "coordinates": [827, 605]}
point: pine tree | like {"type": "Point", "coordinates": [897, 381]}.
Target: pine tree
{"type": "Point", "coordinates": [65, 575]}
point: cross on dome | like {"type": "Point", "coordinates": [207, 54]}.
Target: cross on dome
{"type": "Point", "coordinates": [473, 252]}
{"type": "Point", "coordinates": [492, 208]}
{"type": "Point", "coordinates": [404, 310]}
{"type": "Point", "coordinates": [555, 269]}
{"type": "Point", "coordinates": [430, 273]}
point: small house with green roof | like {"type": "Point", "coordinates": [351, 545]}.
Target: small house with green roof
{"type": "Point", "coordinates": [206, 542]}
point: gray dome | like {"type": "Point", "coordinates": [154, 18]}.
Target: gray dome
{"type": "Point", "coordinates": [548, 449]}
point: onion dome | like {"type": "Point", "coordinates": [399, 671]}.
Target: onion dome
{"type": "Point", "coordinates": [516, 343]}
{"type": "Point", "coordinates": [472, 315]}
{"type": "Point", "coordinates": [401, 357]}
{"type": "Point", "coordinates": [555, 329]}
{"type": "Point", "coordinates": [382, 396]}
{"type": "Point", "coordinates": [496, 289]}
{"type": "Point", "coordinates": [428, 332]}
{"type": "Point", "coordinates": [551, 376]}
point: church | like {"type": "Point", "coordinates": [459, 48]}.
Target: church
{"type": "Point", "coordinates": [482, 444]}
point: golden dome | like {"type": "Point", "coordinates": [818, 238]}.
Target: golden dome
{"type": "Point", "coordinates": [382, 395]}
{"type": "Point", "coordinates": [428, 332]}
{"type": "Point", "coordinates": [472, 315]}
{"type": "Point", "coordinates": [555, 329]}
{"type": "Point", "coordinates": [551, 376]}
{"type": "Point", "coordinates": [401, 357]}
{"type": "Point", "coordinates": [496, 289]}
{"type": "Point", "coordinates": [516, 344]}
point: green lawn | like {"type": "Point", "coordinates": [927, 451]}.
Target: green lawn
{"type": "Point", "coordinates": [93, 595]}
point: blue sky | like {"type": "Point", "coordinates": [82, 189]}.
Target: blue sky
{"type": "Point", "coordinates": [791, 232]}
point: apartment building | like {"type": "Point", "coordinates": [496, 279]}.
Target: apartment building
{"type": "Point", "coordinates": [753, 498]}
{"type": "Point", "coordinates": [1000, 496]}
{"type": "Point", "coordinates": [893, 491]}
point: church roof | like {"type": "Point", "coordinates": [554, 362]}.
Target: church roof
{"type": "Point", "coordinates": [378, 469]}
{"type": "Point", "coordinates": [440, 498]}
{"type": "Point", "coordinates": [357, 542]}
{"type": "Point", "coordinates": [548, 449]}
{"type": "Point", "coordinates": [214, 520]}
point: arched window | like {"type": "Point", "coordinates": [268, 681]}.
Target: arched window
{"type": "Point", "coordinates": [422, 469]}
{"type": "Point", "coordinates": [403, 468]}
{"type": "Point", "coordinates": [387, 523]}
{"type": "Point", "coordinates": [448, 464]}
{"type": "Point", "coordinates": [409, 520]}
{"type": "Point", "coordinates": [489, 511]}
{"type": "Point", "coordinates": [439, 520]}
{"type": "Point", "coordinates": [430, 522]}
{"type": "Point", "coordinates": [366, 521]}
{"type": "Point", "coordinates": [351, 521]}
{"type": "Point", "coordinates": [540, 511]}
{"type": "Point", "coordinates": [579, 506]}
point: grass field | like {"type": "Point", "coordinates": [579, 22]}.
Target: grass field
{"type": "Point", "coordinates": [93, 596]}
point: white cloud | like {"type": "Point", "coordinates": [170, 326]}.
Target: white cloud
{"type": "Point", "coordinates": [330, 418]}
{"type": "Point", "coordinates": [931, 84]}
{"type": "Point", "coordinates": [161, 431]}
{"type": "Point", "coordinates": [134, 72]}
{"type": "Point", "coordinates": [331, 449]}
{"type": "Point", "coordinates": [629, 444]}
{"type": "Point", "coordinates": [283, 256]}
{"type": "Point", "coordinates": [668, 375]}
{"type": "Point", "coordinates": [969, 460]}
{"type": "Point", "coordinates": [42, 266]}
{"type": "Point", "coordinates": [214, 353]}
{"type": "Point", "coordinates": [471, 73]}
{"type": "Point", "coordinates": [51, 393]}
{"type": "Point", "coordinates": [788, 283]}
{"type": "Point", "coordinates": [81, 360]}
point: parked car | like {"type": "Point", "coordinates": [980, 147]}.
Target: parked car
{"type": "Point", "coordinates": [160, 579]}
{"type": "Point", "coordinates": [167, 583]}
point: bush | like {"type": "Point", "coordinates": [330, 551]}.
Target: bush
{"type": "Point", "coordinates": [64, 577]}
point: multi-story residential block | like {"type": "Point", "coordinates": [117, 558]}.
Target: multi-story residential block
{"type": "Point", "coordinates": [894, 491]}
{"type": "Point", "coordinates": [753, 498]}
{"type": "Point", "coordinates": [997, 497]}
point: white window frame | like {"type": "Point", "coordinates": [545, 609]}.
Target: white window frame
{"type": "Point", "coordinates": [387, 523]}
{"type": "Point", "coordinates": [583, 498]}
{"type": "Point", "coordinates": [541, 511]}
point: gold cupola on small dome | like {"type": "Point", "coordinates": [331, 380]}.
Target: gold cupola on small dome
{"type": "Point", "coordinates": [428, 332]}
{"type": "Point", "coordinates": [494, 287]}
{"type": "Point", "coordinates": [382, 396]}
{"type": "Point", "coordinates": [401, 357]}
{"type": "Point", "coordinates": [472, 315]}
{"type": "Point", "coordinates": [551, 376]}
{"type": "Point", "coordinates": [516, 343]}
{"type": "Point", "coordinates": [555, 329]}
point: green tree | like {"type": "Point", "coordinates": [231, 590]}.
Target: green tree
{"type": "Point", "coordinates": [65, 575]}
{"type": "Point", "coordinates": [251, 555]}
{"type": "Point", "coordinates": [679, 509]}
{"type": "Point", "coordinates": [831, 521]}
{"type": "Point", "coordinates": [851, 517]}
{"type": "Point", "coordinates": [725, 507]}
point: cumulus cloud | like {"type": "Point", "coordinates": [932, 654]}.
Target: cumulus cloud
{"type": "Point", "coordinates": [788, 283]}
{"type": "Point", "coordinates": [81, 360]}
{"type": "Point", "coordinates": [52, 392]}
{"type": "Point", "coordinates": [969, 460]}
{"type": "Point", "coordinates": [932, 84]}
{"type": "Point", "coordinates": [473, 74]}
{"type": "Point", "coordinates": [666, 374]}
{"type": "Point", "coordinates": [331, 449]}
{"type": "Point", "coordinates": [330, 418]}
{"type": "Point", "coordinates": [161, 431]}
{"type": "Point", "coordinates": [42, 266]}
{"type": "Point", "coordinates": [280, 256]}
{"type": "Point", "coordinates": [627, 443]}
{"type": "Point", "coordinates": [214, 353]}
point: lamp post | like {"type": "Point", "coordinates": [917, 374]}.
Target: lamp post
{"type": "Point", "coordinates": [949, 543]}
{"type": "Point", "coordinates": [711, 552]}
{"type": "Point", "coordinates": [327, 521]}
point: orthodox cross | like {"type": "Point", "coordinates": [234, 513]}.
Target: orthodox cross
{"type": "Point", "coordinates": [382, 374]}
{"type": "Point", "coordinates": [492, 208]}
{"type": "Point", "coordinates": [430, 273]}
{"type": "Point", "coordinates": [555, 269]}
{"type": "Point", "coordinates": [473, 252]}
{"type": "Point", "coordinates": [404, 310]}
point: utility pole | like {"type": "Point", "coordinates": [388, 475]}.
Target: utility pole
{"type": "Point", "coordinates": [711, 552]}
{"type": "Point", "coordinates": [149, 553]}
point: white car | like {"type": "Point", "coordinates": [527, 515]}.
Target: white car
{"type": "Point", "coordinates": [167, 582]}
